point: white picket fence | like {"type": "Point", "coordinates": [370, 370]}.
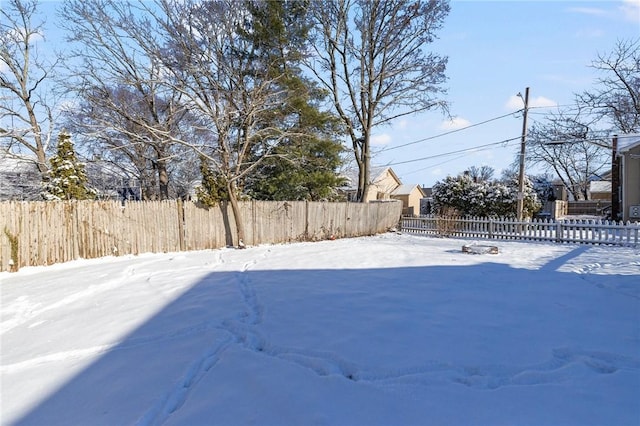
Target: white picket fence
{"type": "Point", "coordinates": [561, 231]}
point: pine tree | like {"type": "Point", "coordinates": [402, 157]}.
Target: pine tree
{"type": "Point", "coordinates": [213, 188]}
{"type": "Point", "coordinates": [304, 166]}
{"type": "Point", "coordinates": [66, 179]}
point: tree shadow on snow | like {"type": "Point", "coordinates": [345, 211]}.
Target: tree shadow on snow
{"type": "Point", "coordinates": [416, 312]}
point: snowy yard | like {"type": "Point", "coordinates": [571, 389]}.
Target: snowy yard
{"type": "Point", "coordinates": [385, 330]}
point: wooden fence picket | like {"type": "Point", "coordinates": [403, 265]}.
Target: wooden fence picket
{"type": "Point", "coordinates": [43, 233]}
{"type": "Point", "coordinates": [571, 231]}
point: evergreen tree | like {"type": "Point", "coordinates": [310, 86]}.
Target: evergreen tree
{"type": "Point", "coordinates": [66, 179]}
{"type": "Point", "coordinates": [483, 198]}
{"type": "Point", "coordinates": [213, 188]}
{"type": "Point", "coordinates": [304, 165]}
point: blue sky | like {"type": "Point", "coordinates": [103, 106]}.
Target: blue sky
{"type": "Point", "coordinates": [496, 49]}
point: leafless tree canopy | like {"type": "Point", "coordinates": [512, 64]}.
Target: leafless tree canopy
{"type": "Point", "coordinates": [481, 173]}
{"type": "Point", "coordinates": [574, 151]}
{"type": "Point", "coordinates": [616, 97]}
{"type": "Point", "coordinates": [575, 143]}
{"type": "Point", "coordinates": [124, 105]}
{"type": "Point", "coordinates": [372, 56]}
{"type": "Point", "coordinates": [26, 117]}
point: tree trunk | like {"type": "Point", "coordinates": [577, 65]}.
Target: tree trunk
{"type": "Point", "coordinates": [233, 199]}
{"type": "Point", "coordinates": [163, 179]}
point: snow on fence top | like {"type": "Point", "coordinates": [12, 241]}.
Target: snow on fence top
{"type": "Point", "coordinates": [582, 231]}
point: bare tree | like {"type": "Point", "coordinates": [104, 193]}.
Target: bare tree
{"type": "Point", "coordinates": [371, 55]}
{"type": "Point", "coordinates": [480, 174]}
{"type": "Point", "coordinates": [124, 104]}
{"type": "Point", "coordinates": [26, 117]}
{"type": "Point", "coordinates": [572, 150]}
{"type": "Point", "coordinates": [228, 91]}
{"type": "Point", "coordinates": [616, 97]}
{"type": "Point", "coordinates": [574, 143]}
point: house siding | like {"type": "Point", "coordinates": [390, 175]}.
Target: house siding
{"type": "Point", "coordinates": [631, 182]}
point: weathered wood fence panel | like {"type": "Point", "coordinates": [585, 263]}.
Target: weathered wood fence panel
{"type": "Point", "coordinates": [43, 233]}
{"type": "Point", "coordinates": [563, 231]}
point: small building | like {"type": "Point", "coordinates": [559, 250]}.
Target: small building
{"type": "Point", "coordinates": [383, 181]}
{"type": "Point", "coordinates": [385, 185]}
{"type": "Point", "coordinates": [629, 160]}
{"type": "Point", "coordinates": [410, 195]}
{"type": "Point", "coordinates": [19, 177]}
{"type": "Point", "coordinates": [600, 190]}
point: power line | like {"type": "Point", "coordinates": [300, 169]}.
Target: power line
{"type": "Point", "coordinates": [449, 132]}
{"type": "Point", "coordinates": [434, 165]}
{"type": "Point", "coordinates": [470, 126]}
{"type": "Point", "coordinates": [477, 148]}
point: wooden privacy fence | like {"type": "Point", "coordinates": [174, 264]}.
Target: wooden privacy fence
{"type": "Point", "coordinates": [563, 231]}
{"type": "Point", "coordinates": [43, 233]}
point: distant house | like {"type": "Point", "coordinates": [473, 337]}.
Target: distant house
{"type": "Point", "coordinates": [386, 185]}
{"type": "Point", "coordinates": [383, 181]}
{"type": "Point", "coordinates": [426, 203]}
{"type": "Point", "coordinates": [410, 195]}
{"type": "Point", "coordinates": [600, 190]}
{"type": "Point", "coordinates": [629, 157]}
{"type": "Point", "coordinates": [19, 177]}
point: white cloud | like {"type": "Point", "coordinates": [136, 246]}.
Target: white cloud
{"type": "Point", "coordinates": [588, 11]}
{"type": "Point", "coordinates": [402, 124]}
{"type": "Point", "coordinates": [455, 123]}
{"type": "Point", "coordinates": [590, 33]}
{"type": "Point", "coordinates": [383, 139]}
{"type": "Point", "coordinates": [631, 10]}
{"type": "Point", "coordinates": [515, 103]}
{"type": "Point", "coordinates": [541, 101]}
{"type": "Point", "coordinates": [17, 35]}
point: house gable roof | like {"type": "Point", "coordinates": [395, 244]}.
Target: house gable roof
{"type": "Point", "coordinates": [407, 190]}
{"type": "Point", "coordinates": [376, 174]}
{"type": "Point", "coordinates": [628, 142]}
{"type": "Point", "coordinates": [600, 186]}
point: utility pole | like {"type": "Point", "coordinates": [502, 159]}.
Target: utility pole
{"type": "Point", "coordinates": [523, 142]}
{"type": "Point", "coordinates": [615, 180]}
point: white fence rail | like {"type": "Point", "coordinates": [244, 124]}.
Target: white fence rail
{"type": "Point", "coordinates": [562, 231]}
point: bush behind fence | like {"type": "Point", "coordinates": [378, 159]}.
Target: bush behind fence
{"type": "Point", "coordinates": [44, 233]}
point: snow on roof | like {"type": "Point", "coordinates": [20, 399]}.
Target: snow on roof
{"type": "Point", "coordinates": [600, 186]}
{"type": "Point", "coordinates": [14, 163]}
{"type": "Point", "coordinates": [375, 173]}
{"type": "Point", "coordinates": [404, 189]}
{"type": "Point", "coordinates": [628, 142]}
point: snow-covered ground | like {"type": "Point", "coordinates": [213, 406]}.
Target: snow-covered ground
{"type": "Point", "coordinates": [385, 330]}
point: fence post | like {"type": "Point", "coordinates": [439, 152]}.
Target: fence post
{"type": "Point", "coordinates": [306, 220]}
{"type": "Point", "coordinates": [559, 232]}
{"type": "Point", "coordinates": [180, 206]}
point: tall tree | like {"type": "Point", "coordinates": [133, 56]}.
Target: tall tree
{"type": "Point", "coordinates": [372, 57]}
{"type": "Point", "coordinates": [616, 97]}
{"type": "Point", "coordinates": [575, 143]}
{"type": "Point", "coordinates": [125, 106]}
{"type": "Point", "coordinates": [26, 117]}
{"type": "Point", "coordinates": [304, 165]}
{"type": "Point", "coordinates": [574, 151]}
{"type": "Point", "coordinates": [66, 179]}
{"type": "Point", "coordinates": [213, 64]}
